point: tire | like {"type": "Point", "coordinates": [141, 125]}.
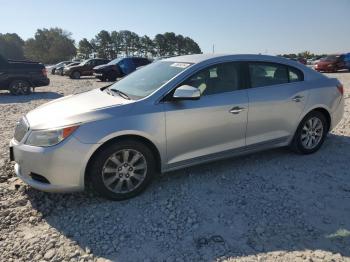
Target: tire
{"type": "Point", "coordinates": [311, 133]}
{"type": "Point", "coordinates": [112, 170]}
{"type": "Point", "coordinates": [75, 75]}
{"type": "Point", "coordinates": [20, 87]}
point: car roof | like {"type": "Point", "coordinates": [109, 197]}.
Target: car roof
{"type": "Point", "coordinates": [203, 57]}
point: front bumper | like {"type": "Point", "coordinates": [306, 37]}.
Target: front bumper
{"type": "Point", "coordinates": [62, 165]}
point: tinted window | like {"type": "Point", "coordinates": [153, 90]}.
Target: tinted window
{"type": "Point", "coordinates": [295, 75]}
{"type": "Point", "coordinates": [216, 79]}
{"type": "Point", "coordinates": [140, 62]}
{"type": "Point", "coordinates": [267, 74]}
{"type": "Point", "coordinates": [100, 62]}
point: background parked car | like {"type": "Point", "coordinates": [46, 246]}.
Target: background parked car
{"type": "Point", "coordinates": [347, 61]}
{"type": "Point", "coordinates": [331, 63]}
{"type": "Point", "coordinates": [59, 70]}
{"type": "Point", "coordinates": [84, 68]}
{"type": "Point", "coordinates": [300, 60]}
{"type": "Point", "coordinates": [52, 68]}
{"type": "Point", "coordinates": [119, 67]}
{"type": "Point", "coordinates": [20, 76]}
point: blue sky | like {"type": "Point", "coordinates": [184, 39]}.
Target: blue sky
{"type": "Point", "coordinates": [241, 26]}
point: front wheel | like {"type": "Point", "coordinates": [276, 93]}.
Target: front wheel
{"type": "Point", "coordinates": [310, 134]}
{"type": "Point", "coordinates": [122, 170]}
{"type": "Point", "coordinates": [20, 87]}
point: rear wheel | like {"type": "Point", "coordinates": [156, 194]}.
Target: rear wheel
{"type": "Point", "coordinates": [76, 75]}
{"type": "Point", "coordinates": [20, 87]}
{"type": "Point", "coordinates": [310, 134]}
{"type": "Point", "coordinates": [122, 170]}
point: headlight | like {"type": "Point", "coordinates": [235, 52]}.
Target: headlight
{"type": "Point", "coordinates": [49, 137]}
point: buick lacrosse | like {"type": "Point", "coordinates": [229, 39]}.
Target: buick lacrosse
{"type": "Point", "coordinates": [171, 114]}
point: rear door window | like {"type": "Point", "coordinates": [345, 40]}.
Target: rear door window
{"type": "Point", "coordinates": [267, 74]}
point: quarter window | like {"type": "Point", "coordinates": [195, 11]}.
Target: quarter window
{"type": "Point", "coordinates": [267, 74]}
{"type": "Point", "coordinates": [216, 79]}
{"type": "Point", "coordinates": [295, 75]}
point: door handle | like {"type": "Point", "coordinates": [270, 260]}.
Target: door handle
{"type": "Point", "coordinates": [236, 110]}
{"type": "Point", "coordinates": [297, 98]}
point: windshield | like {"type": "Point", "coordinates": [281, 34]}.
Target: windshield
{"type": "Point", "coordinates": [146, 80]}
{"type": "Point", "coordinates": [330, 58]}
{"type": "Point", "coordinates": [115, 61]}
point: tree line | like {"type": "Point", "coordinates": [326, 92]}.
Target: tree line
{"type": "Point", "coordinates": [112, 44]}
{"type": "Point", "coordinates": [305, 54]}
{"type": "Point", "coordinates": [55, 44]}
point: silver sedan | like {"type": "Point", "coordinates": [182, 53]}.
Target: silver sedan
{"type": "Point", "coordinates": [172, 114]}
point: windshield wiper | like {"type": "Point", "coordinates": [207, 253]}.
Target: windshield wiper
{"type": "Point", "coordinates": [120, 93]}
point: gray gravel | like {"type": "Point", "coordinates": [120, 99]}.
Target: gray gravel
{"type": "Point", "coordinates": [269, 206]}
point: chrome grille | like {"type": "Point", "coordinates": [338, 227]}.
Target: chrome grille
{"type": "Point", "coordinates": [21, 129]}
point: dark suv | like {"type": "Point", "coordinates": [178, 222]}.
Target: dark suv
{"type": "Point", "coordinates": [119, 67]}
{"type": "Point", "coordinates": [84, 68]}
{"type": "Point", "coordinates": [19, 77]}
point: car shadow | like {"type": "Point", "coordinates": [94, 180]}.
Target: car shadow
{"type": "Point", "coordinates": [7, 98]}
{"type": "Point", "coordinates": [268, 201]}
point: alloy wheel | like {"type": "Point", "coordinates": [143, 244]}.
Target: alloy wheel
{"type": "Point", "coordinates": [124, 171]}
{"type": "Point", "coordinates": [312, 133]}
{"type": "Point", "coordinates": [21, 88]}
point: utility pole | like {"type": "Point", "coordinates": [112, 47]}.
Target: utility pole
{"type": "Point", "coordinates": [213, 49]}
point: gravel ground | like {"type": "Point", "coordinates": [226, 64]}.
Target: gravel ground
{"type": "Point", "coordinates": [270, 206]}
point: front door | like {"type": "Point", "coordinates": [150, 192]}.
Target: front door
{"type": "Point", "coordinates": [214, 124]}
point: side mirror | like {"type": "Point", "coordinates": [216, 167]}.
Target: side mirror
{"type": "Point", "coordinates": [186, 92]}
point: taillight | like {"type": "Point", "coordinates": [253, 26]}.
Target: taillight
{"type": "Point", "coordinates": [340, 89]}
{"type": "Point", "coordinates": [44, 71]}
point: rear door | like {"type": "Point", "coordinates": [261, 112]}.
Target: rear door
{"type": "Point", "coordinates": [277, 96]}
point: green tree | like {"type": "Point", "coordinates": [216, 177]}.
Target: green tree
{"type": "Point", "coordinates": [117, 42]}
{"type": "Point", "coordinates": [160, 44]}
{"type": "Point", "coordinates": [146, 46]}
{"type": "Point", "coordinates": [85, 48]}
{"type": "Point", "coordinates": [126, 39]}
{"type": "Point", "coordinates": [11, 46]}
{"type": "Point", "coordinates": [191, 47]}
{"type": "Point", "coordinates": [103, 45]}
{"type": "Point", "coordinates": [50, 46]}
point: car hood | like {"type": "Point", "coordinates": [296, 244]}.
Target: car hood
{"type": "Point", "coordinates": [79, 108]}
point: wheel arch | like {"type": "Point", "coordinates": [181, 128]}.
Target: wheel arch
{"type": "Point", "coordinates": [113, 140]}
{"type": "Point", "coordinates": [323, 110]}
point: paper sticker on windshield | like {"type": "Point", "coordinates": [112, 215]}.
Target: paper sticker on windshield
{"type": "Point", "coordinates": [180, 65]}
